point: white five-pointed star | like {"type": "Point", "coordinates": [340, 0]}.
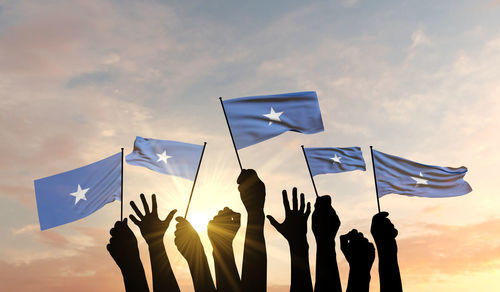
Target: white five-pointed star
{"type": "Point", "coordinates": [79, 194]}
{"type": "Point", "coordinates": [419, 180]}
{"type": "Point", "coordinates": [336, 158]}
{"type": "Point", "coordinates": [273, 116]}
{"type": "Point", "coordinates": [163, 156]}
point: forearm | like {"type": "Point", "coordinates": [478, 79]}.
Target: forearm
{"type": "Point", "coordinates": [389, 274]}
{"type": "Point", "coordinates": [200, 272]}
{"type": "Point", "coordinates": [301, 273]}
{"type": "Point", "coordinates": [359, 280]}
{"type": "Point", "coordinates": [134, 277]}
{"type": "Point", "coordinates": [163, 276]}
{"type": "Point", "coordinates": [327, 271]}
{"type": "Point", "coordinates": [254, 270]}
{"type": "Point", "coordinates": [226, 272]}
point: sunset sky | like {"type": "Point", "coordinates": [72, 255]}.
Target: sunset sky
{"type": "Point", "coordinates": [417, 79]}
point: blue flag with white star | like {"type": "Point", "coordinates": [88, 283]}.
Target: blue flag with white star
{"type": "Point", "coordinates": [334, 159]}
{"type": "Point", "coordinates": [75, 194]}
{"type": "Point", "coordinates": [167, 157]}
{"type": "Point", "coordinates": [255, 119]}
{"type": "Point", "coordinates": [396, 175]}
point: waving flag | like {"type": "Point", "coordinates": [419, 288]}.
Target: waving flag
{"type": "Point", "coordinates": [167, 157]}
{"type": "Point", "coordinates": [334, 160]}
{"type": "Point", "coordinates": [396, 175]}
{"type": "Point", "coordinates": [257, 118]}
{"type": "Point", "coordinates": [72, 195]}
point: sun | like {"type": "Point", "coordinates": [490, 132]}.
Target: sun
{"type": "Point", "coordinates": [199, 221]}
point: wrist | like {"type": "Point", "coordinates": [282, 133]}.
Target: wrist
{"type": "Point", "coordinates": [154, 242]}
{"type": "Point", "coordinates": [360, 271]}
{"type": "Point", "coordinates": [222, 246]}
{"type": "Point", "coordinates": [327, 241]}
{"type": "Point", "coordinates": [298, 246]}
{"type": "Point", "coordinates": [386, 246]}
{"type": "Point", "coordinates": [256, 213]}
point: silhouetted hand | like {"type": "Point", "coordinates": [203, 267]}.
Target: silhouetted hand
{"type": "Point", "coordinates": [252, 191]}
{"type": "Point", "coordinates": [189, 245]}
{"type": "Point", "coordinates": [221, 232]}
{"type": "Point", "coordinates": [254, 267]}
{"type": "Point", "coordinates": [223, 228]}
{"type": "Point", "coordinates": [294, 228]}
{"type": "Point", "coordinates": [123, 245]}
{"type": "Point", "coordinates": [123, 248]}
{"type": "Point", "coordinates": [187, 239]}
{"type": "Point", "coordinates": [152, 228]}
{"type": "Point", "coordinates": [325, 222]}
{"type": "Point", "coordinates": [383, 232]}
{"type": "Point", "coordinates": [325, 225]}
{"type": "Point", "coordinates": [358, 251]}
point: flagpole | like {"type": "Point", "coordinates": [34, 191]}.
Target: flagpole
{"type": "Point", "coordinates": [121, 193]}
{"type": "Point", "coordinates": [195, 177]}
{"type": "Point", "coordinates": [230, 132]}
{"type": "Point", "coordinates": [309, 168]}
{"type": "Point", "coordinates": [375, 177]}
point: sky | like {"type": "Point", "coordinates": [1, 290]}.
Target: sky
{"type": "Point", "coordinates": [417, 79]}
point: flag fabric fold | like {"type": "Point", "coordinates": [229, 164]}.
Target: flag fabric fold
{"type": "Point", "coordinates": [396, 175]}
{"type": "Point", "coordinates": [334, 159]}
{"type": "Point", "coordinates": [167, 157]}
{"type": "Point", "coordinates": [75, 194]}
{"type": "Point", "coordinates": [255, 119]}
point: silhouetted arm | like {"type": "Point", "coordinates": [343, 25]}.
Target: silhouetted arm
{"type": "Point", "coordinates": [221, 232]}
{"type": "Point", "coordinates": [384, 234]}
{"type": "Point", "coordinates": [253, 195]}
{"type": "Point", "coordinates": [123, 248]}
{"type": "Point", "coordinates": [153, 230]}
{"type": "Point", "coordinates": [294, 229]}
{"type": "Point", "coordinates": [189, 245]}
{"type": "Point", "coordinates": [360, 254]}
{"type": "Point", "coordinates": [325, 225]}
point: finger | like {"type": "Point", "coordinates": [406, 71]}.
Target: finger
{"type": "Point", "coordinates": [237, 218]}
{"type": "Point", "coordinates": [112, 231]}
{"type": "Point", "coordinates": [136, 222]}
{"type": "Point", "coordinates": [344, 240]}
{"type": "Point", "coordinates": [381, 215]}
{"type": "Point", "coordinates": [145, 204]}
{"type": "Point", "coordinates": [302, 203]}
{"type": "Point", "coordinates": [125, 221]}
{"type": "Point", "coordinates": [108, 247]}
{"type": "Point", "coordinates": [170, 216]}
{"type": "Point", "coordinates": [273, 222]}
{"type": "Point", "coordinates": [136, 210]}
{"type": "Point", "coordinates": [286, 203]}
{"type": "Point", "coordinates": [179, 219]}
{"type": "Point", "coordinates": [154, 207]}
{"type": "Point", "coordinates": [245, 174]}
{"type": "Point", "coordinates": [352, 233]}
{"type": "Point", "coordinates": [308, 210]}
{"type": "Point", "coordinates": [294, 199]}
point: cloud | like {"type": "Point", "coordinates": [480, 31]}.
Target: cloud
{"type": "Point", "coordinates": [446, 249]}
{"type": "Point", "coordinates": [91, 78]}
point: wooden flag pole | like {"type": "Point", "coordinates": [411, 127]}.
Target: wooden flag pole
{"type": "Point", "coordinates": [309, 168]}
{"type": "Point", "coordinates": [195, 177]}
{"type": "Point", "coordinates": [375, 177]}
{"type": "Point", "coordinates": [230, 132]}
{"type": "Point", "coordinates": [121, 193]}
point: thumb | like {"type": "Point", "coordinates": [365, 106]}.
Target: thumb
{"type": "Point", "coordinates": [273, 222]}
{"type": "Point", "coordinates": [343, 243]}
{"type": "Point", "coordinates": [170, 216]}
